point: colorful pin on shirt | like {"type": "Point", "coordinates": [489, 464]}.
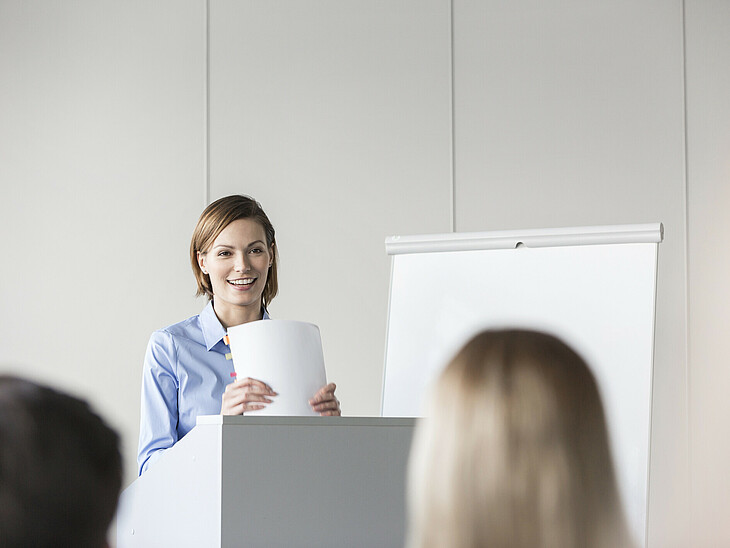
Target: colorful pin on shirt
{"type": "Point", "coordinates": [226, 340]}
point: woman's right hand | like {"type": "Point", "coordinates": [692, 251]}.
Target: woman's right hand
{"type": "Point", "coordinates": [245, 395]}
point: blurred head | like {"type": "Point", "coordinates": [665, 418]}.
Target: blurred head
{"type": "Point", "coordinates": [213, 221]}
{"type": "Point", "coordinates": [60, 469]}
{"type": "Point", "coordinates": [514, 451]}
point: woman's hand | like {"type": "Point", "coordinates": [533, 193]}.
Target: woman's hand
{"type": "Point", "coordinates": [245, 395]}
{"type": "Point", "coordinates": [324, 401]}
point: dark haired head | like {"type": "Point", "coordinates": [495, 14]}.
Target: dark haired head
{"type": "Point", "coordinates": [60, 469]}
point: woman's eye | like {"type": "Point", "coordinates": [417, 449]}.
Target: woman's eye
{"type": "Point", "coordinates": [224, 253]}
{"type": "Point", "coordinates": [256, 250]}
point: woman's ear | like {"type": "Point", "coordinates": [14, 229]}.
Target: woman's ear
{"type": "Point", "coordinates": [201, 262]}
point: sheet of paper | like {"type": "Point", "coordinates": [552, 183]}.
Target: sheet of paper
{"type": "Point", "coordinates": [287, 355]}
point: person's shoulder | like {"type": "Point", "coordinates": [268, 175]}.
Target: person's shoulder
{"type": "Point", "coordinates": [186, 329]}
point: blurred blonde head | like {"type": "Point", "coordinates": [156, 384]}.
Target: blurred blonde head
{"type": "Point", "coordinates": [515, 451]}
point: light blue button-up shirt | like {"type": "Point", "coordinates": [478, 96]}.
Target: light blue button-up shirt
{"type": "Point", "coordinates": [185, 374]}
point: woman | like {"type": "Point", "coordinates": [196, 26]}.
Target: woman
{"type": "Point", "coordinates": [186, 373]}
{"type": "Point", "coordinates": [514, 452]}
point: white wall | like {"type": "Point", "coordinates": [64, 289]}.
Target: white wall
{"type": "Point", "coordinates": [708, 189]}
{"type": "Point", "coordinates": [101, 171]}
{"type": "Point", "coordinates": [119, 120]}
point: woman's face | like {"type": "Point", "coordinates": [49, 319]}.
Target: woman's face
{"type": "Point", "coordinates": [238, 265]}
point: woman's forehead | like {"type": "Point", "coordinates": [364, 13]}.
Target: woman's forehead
{"type": "Point", "coordinates": [241, 232]}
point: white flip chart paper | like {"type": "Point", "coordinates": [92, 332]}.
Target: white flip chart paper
{"type": "Point", "coordinates": [287, 355]}
{"type": "Point", "coordinates": [600, 299]}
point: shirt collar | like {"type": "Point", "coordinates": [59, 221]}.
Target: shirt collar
{"type": "Point", "coordinates": [213, 330]}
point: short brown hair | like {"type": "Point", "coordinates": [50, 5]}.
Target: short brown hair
{"type": "Point", "coordinates": [514, 451]}
{"type": "Point", "coordinates": [214, 219]}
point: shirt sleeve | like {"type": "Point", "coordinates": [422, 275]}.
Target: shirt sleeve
{"type": "Point", "coordinates": [159, 411]}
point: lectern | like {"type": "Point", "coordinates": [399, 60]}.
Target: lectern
{"type": "Point", "coordinates": [274, 481]}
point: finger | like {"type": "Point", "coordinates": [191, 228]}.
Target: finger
{"type": "Point", "coordinates": [320, 399]}
{"type": "Point", "coordinates": [237, 393]}
{"type": "Point", "coordinates": [254, 383]}
{"type": "Point", "coordinates": [232, 386]}
{"type": "Point", "coordinates": [256, 386]}
{"type": "Point", "coordinates": [331, 413]}
{"type": "Point", "coordinates": [251, 398]}
{"type": "Point", "coordinates": [254, 407]}
{"type": "Point", "coordinates": [326, 405]}
{"type": "Point", "coordinates": [322, 396]}
{"type": "Point", "coordinates": [328, 389]}
{"type": "Point", "coordinates": [333, 405]}
{"type": "Point", "coordinates": [228, 409]}
{"type": "Point", "coordinates": [238, 398]}
{"type": "Point", "coordinates": [241, 408]}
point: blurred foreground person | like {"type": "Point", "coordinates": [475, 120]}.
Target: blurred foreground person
{"type": "Point", "coordinates": [514, 452]}
{"type": "Point", "coordinates": [60, 469]}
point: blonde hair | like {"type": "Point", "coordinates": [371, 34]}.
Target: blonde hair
{"type": "Point", "coordinates": [214, 219]}
{"type": "Point", "coordinates": [514, 451]}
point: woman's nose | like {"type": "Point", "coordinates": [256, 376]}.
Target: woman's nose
{"type": "Point", "coordinates": [241, 264]}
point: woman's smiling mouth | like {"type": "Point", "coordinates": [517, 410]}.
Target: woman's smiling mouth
{"type": "Point", "coordinates": [242, 283]}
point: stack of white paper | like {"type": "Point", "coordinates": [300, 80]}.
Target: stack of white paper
{"type": "Point", "coordinates": [287, 355]}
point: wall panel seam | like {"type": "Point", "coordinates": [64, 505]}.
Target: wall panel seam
{"type": "Point", "coordinates": [452, 205]}
{"type": "Point", "coordinates": [685, 197]}
{"type": "Point", "coordinates": [206, 105]}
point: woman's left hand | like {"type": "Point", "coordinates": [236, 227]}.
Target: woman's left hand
{"type": "Point", "coordinates": [325, 403]}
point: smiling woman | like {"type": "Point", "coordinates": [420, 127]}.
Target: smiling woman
{"type": "Point", "coordinates": [236, 268]}
{"type": "Point", "coordinates": [186, 370]}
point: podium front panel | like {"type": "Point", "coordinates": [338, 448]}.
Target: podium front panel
{"type": "Point", "coordinates": [326, 481]}
{"type": "Point", "coordinates": [274, 481]}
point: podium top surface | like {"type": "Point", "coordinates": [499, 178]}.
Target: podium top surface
{"type": "Point", "coordinates": [305, 421]}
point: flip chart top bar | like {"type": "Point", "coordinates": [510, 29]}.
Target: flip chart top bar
{"type": "Point", "coordinates": [540, 237]}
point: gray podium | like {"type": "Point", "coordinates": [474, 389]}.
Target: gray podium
{"type": "Point", "coordinates": [274, 481]}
